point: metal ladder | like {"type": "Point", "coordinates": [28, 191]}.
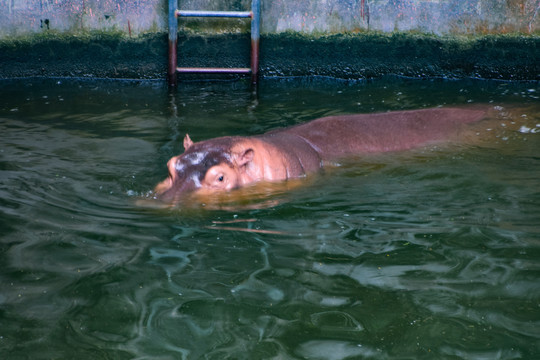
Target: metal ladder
{"type": "Point", "coordinates": [174, 14]}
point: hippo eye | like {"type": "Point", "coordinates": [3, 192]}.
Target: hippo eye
{"type": "Point", "coordinates": [220, 178]}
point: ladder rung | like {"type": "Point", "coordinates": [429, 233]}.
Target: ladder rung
{"type": "Point", "coordinates": [201, 13]}
{"type": "Point", "coordinates": [209, 70]}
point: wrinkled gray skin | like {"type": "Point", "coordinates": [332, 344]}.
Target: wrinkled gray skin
{"type": "Point", "coordinates": [226, 163]}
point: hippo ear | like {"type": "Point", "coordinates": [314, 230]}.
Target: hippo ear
{"type": "Point", "coordinates": [187, 142]}
{"type": "Point", "coordinates": [244, 158]}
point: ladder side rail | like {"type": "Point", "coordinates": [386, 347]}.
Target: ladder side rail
{"type": "Point", "coordinates": [173, 43]}
{"type": "Point", "coordinates": [255, 39]}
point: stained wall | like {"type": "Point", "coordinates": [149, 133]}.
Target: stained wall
{"type": "Point", "coordinates": [352, 39]}
{"type": "Point", "coordinates": [133, 17]}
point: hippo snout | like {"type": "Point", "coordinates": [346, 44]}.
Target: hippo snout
{"type": "Point", "coordinates": [172, 188]}
{"type": "Point", "coordinates": [181, 180]}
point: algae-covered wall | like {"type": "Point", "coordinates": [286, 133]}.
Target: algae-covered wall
{"type": "Point", "coordinates": [345, 38]}
{"type": "Point", "coordinates": [132, 17]}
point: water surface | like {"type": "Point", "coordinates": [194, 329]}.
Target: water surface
{"type": "Point", "coordinates": [425, 254]}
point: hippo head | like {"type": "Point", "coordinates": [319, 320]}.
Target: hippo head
{"type": "Point", "coordinates": [205, 167]}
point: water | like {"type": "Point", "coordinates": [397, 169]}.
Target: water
{"type": "Point", "coordinates": [427, 254]}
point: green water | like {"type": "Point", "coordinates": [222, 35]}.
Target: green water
{"type": "Point", "coordinates": [427, 254]}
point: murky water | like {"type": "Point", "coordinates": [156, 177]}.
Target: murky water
{"type": "Point", "coordinates": [427, 254]}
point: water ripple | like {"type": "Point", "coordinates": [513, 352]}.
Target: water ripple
{"type": "Point", "coordinates": [431, 253]}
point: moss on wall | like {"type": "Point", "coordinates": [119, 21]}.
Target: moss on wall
{"type": "Point", "coordinates": [360, 55]}
{"type": "Point", "coordinates": [87, 54]}
{"type": "Point", "coordinates": [368, 55]}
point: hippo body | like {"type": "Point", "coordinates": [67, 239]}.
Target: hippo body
{"type": "Point", "coordinates": [233, 161]}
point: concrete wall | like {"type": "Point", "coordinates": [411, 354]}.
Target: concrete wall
{"type": "Point", "coordinates": [133, 17]}
{"type": "Point", "coordinates": [430, 16]}
{"type": "Point", "coordinates": [352, 39]}
{"type": "Point", "coordinates": [23, 17]}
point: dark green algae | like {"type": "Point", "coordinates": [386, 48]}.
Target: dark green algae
{"type": "Point", "coordinates": [355, 56]}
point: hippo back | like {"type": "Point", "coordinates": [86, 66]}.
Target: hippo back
{"type": "Point", "coordinates": [342, 135]}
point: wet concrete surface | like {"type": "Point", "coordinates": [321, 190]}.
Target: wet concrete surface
{"type": "Point", "coordinates": [352, 56]}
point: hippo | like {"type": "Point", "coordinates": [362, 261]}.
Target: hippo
{"type": "Point", "coordinates": [230, 162]}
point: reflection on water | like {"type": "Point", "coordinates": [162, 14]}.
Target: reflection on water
{"type": "Point", "coordinates": [431, 253]}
